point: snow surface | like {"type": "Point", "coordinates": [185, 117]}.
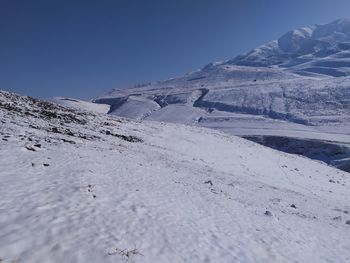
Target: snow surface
{"type": "Point", "coordinates": [81, 104]}
{"type": "Point", "coordinates": [135, 107]}
{"type": "Point", "coordinates": [80, 186]}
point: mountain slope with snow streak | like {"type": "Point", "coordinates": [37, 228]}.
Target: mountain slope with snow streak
{"type": "Point", "coordinates": [78, 186]}
{"type": "Point", "coordinates": [81, 104]}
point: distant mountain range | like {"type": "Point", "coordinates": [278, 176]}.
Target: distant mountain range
{"type": "Point", "coordinates": [321, 49]}
{"type": "Point", "coordinates": [292, 94]}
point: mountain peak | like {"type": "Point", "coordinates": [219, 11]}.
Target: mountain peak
{"type": "Point", "coordinates": [293, 40]}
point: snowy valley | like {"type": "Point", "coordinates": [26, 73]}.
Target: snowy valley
{"type": "Point", "coordinates": [287, 94]}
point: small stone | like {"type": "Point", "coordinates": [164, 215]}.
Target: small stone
{"type": "Point", "coordinates": [209, 182]}
{"type": "Point", "coordinates": [30, 148]}
{"type": "Point", "coordinates": [293, 206]}
{"type": "Point", "coordinates": [46, 164]}
{"type": "Point", "coordinates": [268, 213]}
{"type": "Point", "coordinates": [331, 181]}
{"type": "Point", "coordinates": [347, 222]}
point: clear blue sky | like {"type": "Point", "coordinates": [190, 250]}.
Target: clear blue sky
{"type": "Point", "coordinates": [82, 48]}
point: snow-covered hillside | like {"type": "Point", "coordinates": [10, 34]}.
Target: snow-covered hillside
{"type": "Point", "coordinates": [79, 186]}
{"type": "Point", "coordinates": [81, 105]}
{"type": "Point", "coordinates": [295, 87]}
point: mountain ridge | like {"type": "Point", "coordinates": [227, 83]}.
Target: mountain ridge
{"type": "Point", "coordinates": [297, 47]}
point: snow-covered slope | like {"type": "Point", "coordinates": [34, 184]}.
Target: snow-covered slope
{"type": "Point", "coordinates": [293, 87]}
{"type": "Point", "coordinates": [82, 105]}
{"type": "Point", "coordinates": [277, 104]}
{"type": "Point", "coordinates": [78, 186]}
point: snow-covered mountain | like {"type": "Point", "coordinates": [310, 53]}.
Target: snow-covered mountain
{"type": "Point", "coordinates": [289, 94]}
{"type": "Point", "coordinates": [80, 186]}
{"type": "Point", "coordinates": [321, 49]}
